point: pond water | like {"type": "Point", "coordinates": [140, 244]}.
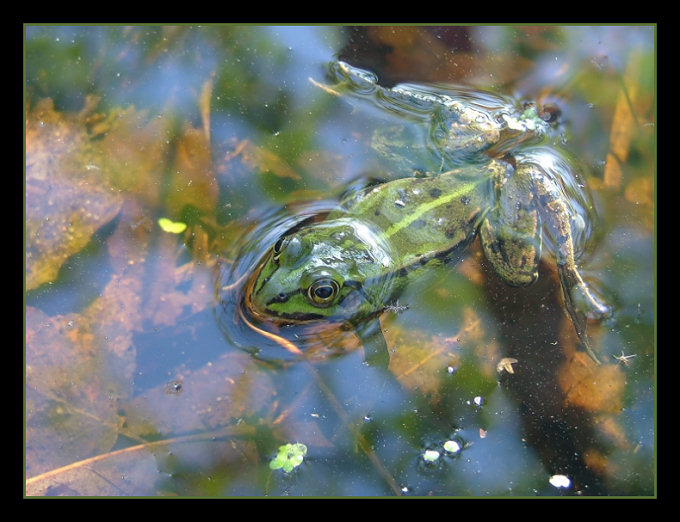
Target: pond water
{"type": "Point", "coordinates": [146, 376]}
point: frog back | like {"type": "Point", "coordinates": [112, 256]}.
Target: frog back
{"type": "Point", "coordinates": [428, 217]}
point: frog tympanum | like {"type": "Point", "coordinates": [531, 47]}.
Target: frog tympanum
{"type": "Point", "coordinates": [499, 181]}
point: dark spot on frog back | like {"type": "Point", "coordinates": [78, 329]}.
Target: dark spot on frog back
{"type": "Point", "coordinates": [435, 193]}
{"type": "Point", "coordinates": [418, 224]}
{"type": "Point", "coordinates": [455, 233]}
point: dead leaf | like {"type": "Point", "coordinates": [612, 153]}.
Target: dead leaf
{"type": "Point", "coordinates": [146, 469]}
{"type": "Point", "coordinates": [265, 160]}
{"type": "Point", "coordinates": [76, 177]}
{"type": "Point", "coordinates": [71, 392]}
{"type": "Point", "coordinates": [79, 366]}
{"type": "Point", "coordinates": [67, 196]}
{"type": "Point", "coordinates": [419, 360]}
{"type": "Point", "coordinates": [213, 396]}
{"type": "Point", "coordinates": [591, 387]}
{"type": "Point", "coordinates": [624, 124]}
{"type": "Point", "coordinates": [204, 105]}
{"type": "Point", "coordinates": [126, 472]}
{"type": "Point", "coordinates": [192, 182]}
{"type": "Point", "coordinates": [640, 191]}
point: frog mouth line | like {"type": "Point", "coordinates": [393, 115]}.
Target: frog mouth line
{"type": "Point", "coordinates": [285, 343]}
{"type": "Point", "coordinates": [245, 307]}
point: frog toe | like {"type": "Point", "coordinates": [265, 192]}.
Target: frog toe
{"type": "Point", "coordinates": [581, 304]}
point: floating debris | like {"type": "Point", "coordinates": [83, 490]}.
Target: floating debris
{"type": "Point", "coordinates": [289, 457]}
{"type": "Point", "coordinates": [451, 446]}
{"type": "Point", "coordinates": [505, 364]}
{"type": "Point", "coordinates": [623, 359]}
{"type": "Point", "coordinates": [560, 481]}
{"type": "Point", "coordinates": [171, 227]}
{"type": "Point", "coordinates": [431, 455]}
{"type": "Point", "coordinates": [174, 388]}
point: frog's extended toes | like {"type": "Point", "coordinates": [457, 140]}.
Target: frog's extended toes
{"type": "Point", "coordinates": [598, 310]}
{"type": "Point", "coordinates": [581, 304]}
{"type": "Point", "coordinates": [583, 299]}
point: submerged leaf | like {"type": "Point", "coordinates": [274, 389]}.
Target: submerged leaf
{"type": "Point", "coordinates": [67, 194]}
{"type": "Point", "coordinates": [71, 392]}
{"type": "Point", "coordinates": [630, 104]}
{"type": "Point", "coordinates": [213, 396]}
{"type": "Point", "coordinates": [192, 186]}
{"type": "Point", "coordinates": [267, 161]}
{"type": "Point", "coordinates": [594, 388]}
{"type": "Point", "coordinates": [79, 366]}
{"type": "Point", "coordinates": [146, 469]}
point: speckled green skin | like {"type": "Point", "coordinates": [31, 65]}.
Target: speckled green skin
{"type": "Point", "coordinates": [374, 243]}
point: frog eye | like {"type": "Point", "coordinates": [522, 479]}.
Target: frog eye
{"type": "Point", "coordinates": [290, 245]}
{"type": "Point", "coordinates": [278, 246]}
{"type": "Point", "coordinates": [322, 291]}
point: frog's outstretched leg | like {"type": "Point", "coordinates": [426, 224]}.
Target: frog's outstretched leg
{"type": "Point", "coordinates": [578, 299]}
{"type": "Point", "coordinates": [577, 296]}
{"type": "Point", "coordinates": [375, 347]}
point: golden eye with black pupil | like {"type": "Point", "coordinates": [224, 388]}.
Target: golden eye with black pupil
{"type": "Point", "coordinates": [322, 292]}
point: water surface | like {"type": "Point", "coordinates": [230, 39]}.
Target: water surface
{"type": "Point", "coordinates": [134, 386]}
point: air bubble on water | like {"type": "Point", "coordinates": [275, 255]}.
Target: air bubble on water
{"type": "Point", "coordinates": [431, 455]}
{"type": "Point", "coordinates": [560, 481]}
{"type": "Point", "coordinates": [478, 400]}
{"type": "Point", "coordinates": [451, 446]}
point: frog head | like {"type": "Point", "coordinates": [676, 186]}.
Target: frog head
{"type": "Point", "coordinates": [338, 270]}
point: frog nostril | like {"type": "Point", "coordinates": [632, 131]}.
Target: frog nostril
{"type": "Point", "coordinates": [281, 297]}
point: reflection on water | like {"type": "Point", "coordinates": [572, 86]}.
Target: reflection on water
{"type": "Point", "coordinates": [138, 385]}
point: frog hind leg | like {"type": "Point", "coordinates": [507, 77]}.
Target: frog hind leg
{"type": "Point", "coordinates": [579, 301]}
{"type": "Point", "coordinates": [375, 347]}
{"type": "Point", "coordinates": [578, 298]}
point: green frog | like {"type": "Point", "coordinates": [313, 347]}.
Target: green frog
{"type": "Point", "coordinates": [500, 185]}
